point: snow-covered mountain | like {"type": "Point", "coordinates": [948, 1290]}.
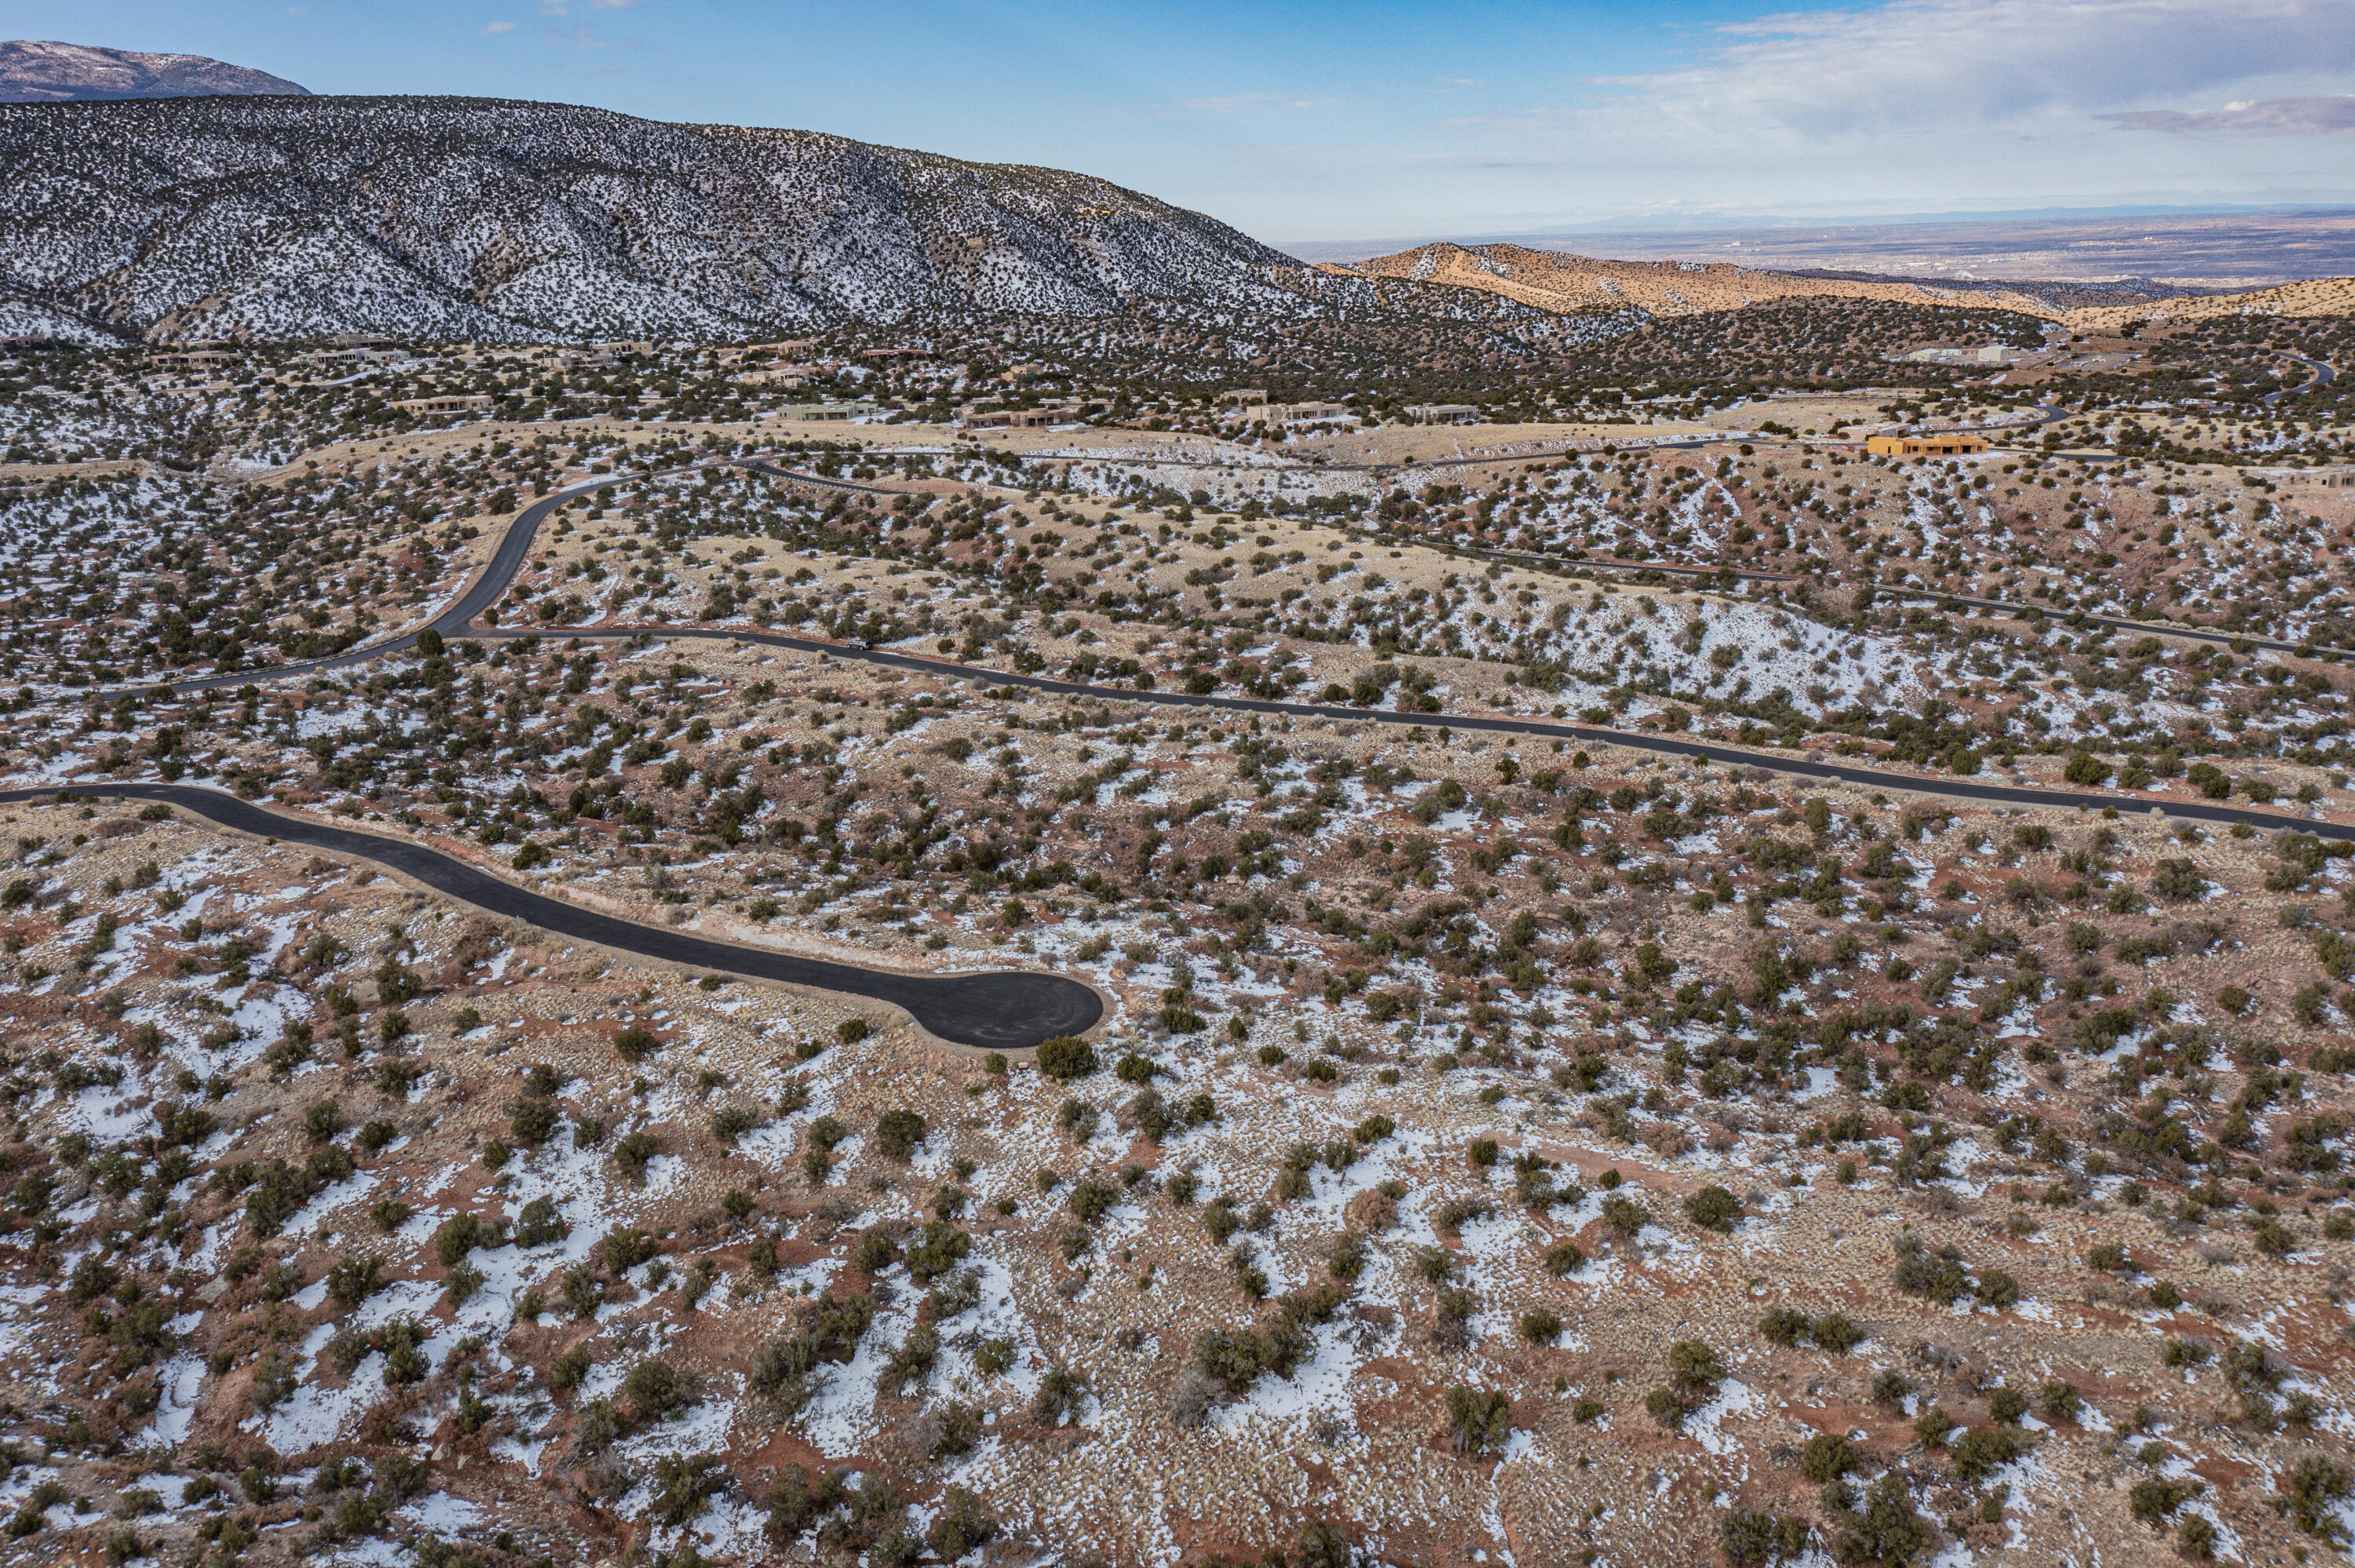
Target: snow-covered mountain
{"type": "Point", "coordinates": [468, 219]}
{"type": "Point", "coordinates": [42, 71]}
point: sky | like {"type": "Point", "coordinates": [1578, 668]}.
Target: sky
{"type": "Point", "coordinates": [1375, 119]}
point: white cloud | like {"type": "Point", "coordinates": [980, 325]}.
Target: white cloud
{"type": "Point", "coordinates": [2333, 116]}
{"type": "Point", "coordinates": [1254, 103]}
{"type": "Point", "coordinates": [1927, 65]}
{"type": "Point", "coordinates": [495, 27]}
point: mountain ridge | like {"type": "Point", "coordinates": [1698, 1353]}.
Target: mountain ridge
{"type": "Point", "coordinates": [1567, 281]}
{"type": "Point", "coordinates": [500, 220]}
{"type": "Point", "coordinates": [43, 70]}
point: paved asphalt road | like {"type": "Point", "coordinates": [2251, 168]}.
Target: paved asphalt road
{"type": "Point", "coordinates": [2323, 375]}
{"type": "Point", "coordinates": [1011, 1009]}
{"type": "Point", "coordinates": [504, 562]}
{"type": "Point", "coordinates": [1808, 766]}
{"type": "Point", "coordinates": [455, 621]}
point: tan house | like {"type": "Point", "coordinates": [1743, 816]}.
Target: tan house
{"type": "Point", "coordinates": [450, 403]}
{"type": "Point", "coordinates": [1020, 418]}
{"type": "Point", "coordinates": [1946, 443]}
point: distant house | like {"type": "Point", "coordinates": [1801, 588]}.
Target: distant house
{"type": "Point", "coordinates": [1946, 443]}
{"type": "Point", "coordinates": [450, 403]}
{"type": "Point", "coordinates": [1443, 413]}
{"type": "Point", "coordinates": [1989, 354]}
{"type": "Point", "coordinates": [1302, 413]}
{"type": "Point", "coordinates": [827, 411]}
{"type": "Point", "coordinates": [1020, 418]}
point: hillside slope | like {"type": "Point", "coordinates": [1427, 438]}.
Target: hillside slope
{"type": "Point", "coordinates": [503, 221]}
{"type": "Point", "coordinates": [42, 71]}
{"type": "Point", "coordinates": [2309, 297]}
{"type": "Point", "coordinates": [1556, 280]}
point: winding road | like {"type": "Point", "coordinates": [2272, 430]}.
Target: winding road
{"type": "Point", "coordinates": [2323, 375]}
{"type": "Point", "coordinates": [1006, 1010]}
{"type": "Point", "coordinates": [1809, 767]}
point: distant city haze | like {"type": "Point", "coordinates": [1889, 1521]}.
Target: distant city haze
{"type": "Point", "coordinates": [1325, 123]}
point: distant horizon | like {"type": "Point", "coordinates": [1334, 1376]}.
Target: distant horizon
{"type": "Point", "coordinates": [1313, 118]}
{"type": "Point", "coordinates": [1657, 234]}
{"type": "Point", "coordinates": [1781, 224]}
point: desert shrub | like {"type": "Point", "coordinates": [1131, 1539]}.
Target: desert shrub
{"type": "Point", "coordinates": [1092, 1196]}
{"type": "Point", "coordinates": [1983, 1450]}
{"type": "Point", "coordinates": [1834, 1332]}
{"type": "Point", "coordinates": [963, 1525]}
{"type": "Point", "coordinates": [683, 1486]}
{"type": "Point", "coordinates": [625, 1249]}
{"type": "Point", "coordinates": [1939, 1275]}
{"type": "Point", "coordinates": [1695, 1366]}
{"type": "Point", "coordinates": [461, 1283]}
{"type": "Point", "coordinates": [457, 1237]}
{"type": "Point", "coordinates": [2307, 1493]}
{"type": "Point", "coordinates": [539, 1224]}
{"type": "Point", "coordinates": [1349, 1258]}
{"type": "Point", "coordinates": [1063, 1391]}
{"type": "Point", "coordinates": [959, 1291]}
{"type": "Point", "coordinates": [534, 1121]}
{"type": "Point", "coordinates": [658, 1389]}
{"type": "Point", "coordinates": [1479, 1421]}
{"type": "Point", "coordinates": [1883, 1526]}
{"type": "Point", "coordinates": [2153, 1499]}
{"type": "Point", "coordinates": [897, 1132]}
{"type": "Point", "coordinates": [565, 1373]}
{"type": "Point", "coordinates": [875, 1252]}
{"type": "Point", "coordinates": [1826, 1456]}
{"type": "Point", "coordinates": [633, 1154]}
{"type": "Point", "coordinates": [1748, 1537]}
{"type": "Point", "coordinates": [354, 1280]}
{"type": "Point", "coordinates": [950, 1430]}
{"type": "Point", "coordinates": [914, 1359]}
{"type": "Point", "coordinates": [786, 1374]}
{"type": "Point", "coordinates": [1456, 1213]}
{"type": "Point", "coordinates": [1066, 1057]}
{"type": "Point", "coordinates": [729, 1123]}
{"type": "Point", "coordinates": [1713, 1209]}
{"type": "Point", "coordinates": [936, 1251]}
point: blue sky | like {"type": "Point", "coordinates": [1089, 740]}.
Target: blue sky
{"type": "Point", "coordinates": [1378, 119]}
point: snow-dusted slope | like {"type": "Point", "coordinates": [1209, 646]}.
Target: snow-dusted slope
{"type": "Point", "coordinates": [478, 218]}
{"type": "Point", "coordinates": [45, 71]}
